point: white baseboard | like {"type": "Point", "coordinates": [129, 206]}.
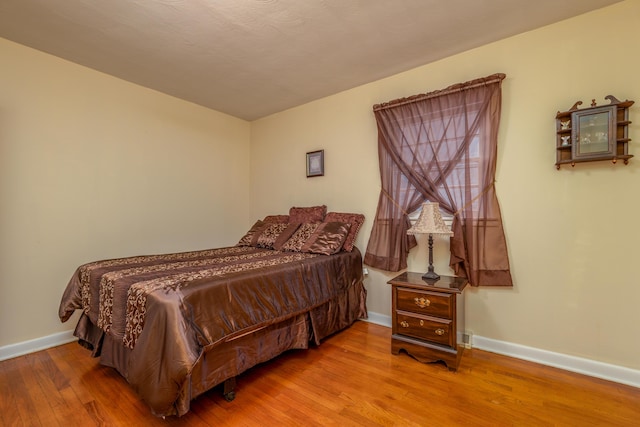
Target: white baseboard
{"type": "Point", "coordinates": [31, 346]}
{"type": "Point", "coordinates": [589, 367]}
{"type": "Point", "coordinates": [580, 365]}
{"type": "Point", "coordinates": [379, 319]}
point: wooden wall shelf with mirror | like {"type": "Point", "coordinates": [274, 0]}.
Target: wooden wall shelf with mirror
{"type": "Point", "coordinates": [594, 133]}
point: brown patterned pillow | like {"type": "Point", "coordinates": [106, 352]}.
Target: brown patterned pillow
{"type": "Point", "coordinates": [355, 220]}
{"type": "Point", "coordinates": [299, 238]}
{"type": "Point", "coordinates": [309, 214]}
{"type": "Point", "coordinates": [276, 218]}
{"type": "Point", "coordinates": [248, 238]}
{"type": "Point", "coordinates": [285, 236]}
{"type": "Point", "coordinates": [267, 235]}
{"type": "Point", "coordinates": [327, 239]}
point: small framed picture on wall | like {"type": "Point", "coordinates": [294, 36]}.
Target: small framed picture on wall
{"type": "Point", "coordinates": [315, 163]}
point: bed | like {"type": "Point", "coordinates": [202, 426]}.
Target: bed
{"type": "Point", "coordinates": [176, 325]}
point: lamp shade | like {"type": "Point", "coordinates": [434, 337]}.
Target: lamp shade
{"type": "Point", "coordinates": [430, 221]}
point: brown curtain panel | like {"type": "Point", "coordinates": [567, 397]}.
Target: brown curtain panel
{"type": "Point", "coordinates": [441, 146]}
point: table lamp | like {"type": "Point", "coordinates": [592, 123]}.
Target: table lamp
{"type": "Point", "coordinates": [430, 222]}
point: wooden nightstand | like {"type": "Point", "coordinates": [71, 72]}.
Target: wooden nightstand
{"type": "Point", "coordinates": [427, 318]}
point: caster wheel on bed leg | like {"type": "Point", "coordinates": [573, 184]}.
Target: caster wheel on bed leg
{"type": "Point", "coordinates": [228, 389]}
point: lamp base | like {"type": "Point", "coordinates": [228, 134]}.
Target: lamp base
{"type": "Point", "coordinates": [431, 276]}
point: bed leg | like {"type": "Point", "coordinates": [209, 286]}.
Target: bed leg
{"type": "Point", "coordinates": [229, 389]}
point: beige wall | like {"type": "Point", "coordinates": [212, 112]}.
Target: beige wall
{"type": "Point", "coordinates": [93, 167]}
{"type": "Point", "coordinates": [572, 234]}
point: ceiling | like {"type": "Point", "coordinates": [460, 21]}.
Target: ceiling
{"type": "Point", "coordinates": [252, 58]}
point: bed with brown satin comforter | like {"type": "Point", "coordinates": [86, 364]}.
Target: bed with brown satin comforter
{"type": "Point", "coordinates": [176, 325]}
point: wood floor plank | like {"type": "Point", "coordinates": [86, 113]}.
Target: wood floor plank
{"type": "Point", "coordinates": [352, 379]}
{"type": "Point", "coordinates": [9, 406]}
{"type": "Point", "coordinates": [30, 397]}
{"type": "Point", "coordinates": [68, 410]}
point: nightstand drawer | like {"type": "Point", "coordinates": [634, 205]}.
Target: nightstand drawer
{"type": "Point", "coordinates": [425, 328]}
{"type": "Point", "coordinates": [425, 302]}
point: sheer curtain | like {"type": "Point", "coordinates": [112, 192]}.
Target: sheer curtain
{"type": "Point", "coordinates": [441, 146]}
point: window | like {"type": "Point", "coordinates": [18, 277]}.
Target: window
{"type": "Point", "coordinates": [441, 147]}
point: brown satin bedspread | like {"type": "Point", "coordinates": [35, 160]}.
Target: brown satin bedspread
{"type": "Point", "coordinates": [172, 324]}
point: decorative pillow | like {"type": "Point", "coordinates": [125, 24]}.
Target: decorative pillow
{"type": "Point", "coordinates": [276, 218]}
{"type": "Point", "coordinates": [299, 238]}
{"type": "Point", "coordinates": [285, 236]}
{"type": "Point", "coordinates": [248, 238]}
{"type": "Point", "coordinates": [267, 235]}
{"type": "Point", "coordinates": [355, 220]}
{"type": "Point", "coordinates": [327, 239]}
{"type": "Point", "coordinates": [311, 214]}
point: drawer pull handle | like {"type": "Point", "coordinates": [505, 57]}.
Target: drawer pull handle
{"type": "Point", "coordinates": [404, 324]}
{"type": "Point", "coordinates": [421, 322]}
{"type": "Point", "coordinates": [439, 331]}
{"type": "Point", "coordinates": [422, 302]}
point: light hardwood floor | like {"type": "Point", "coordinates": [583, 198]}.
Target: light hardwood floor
{"type": "Point", "coordinates": [352, 379]}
